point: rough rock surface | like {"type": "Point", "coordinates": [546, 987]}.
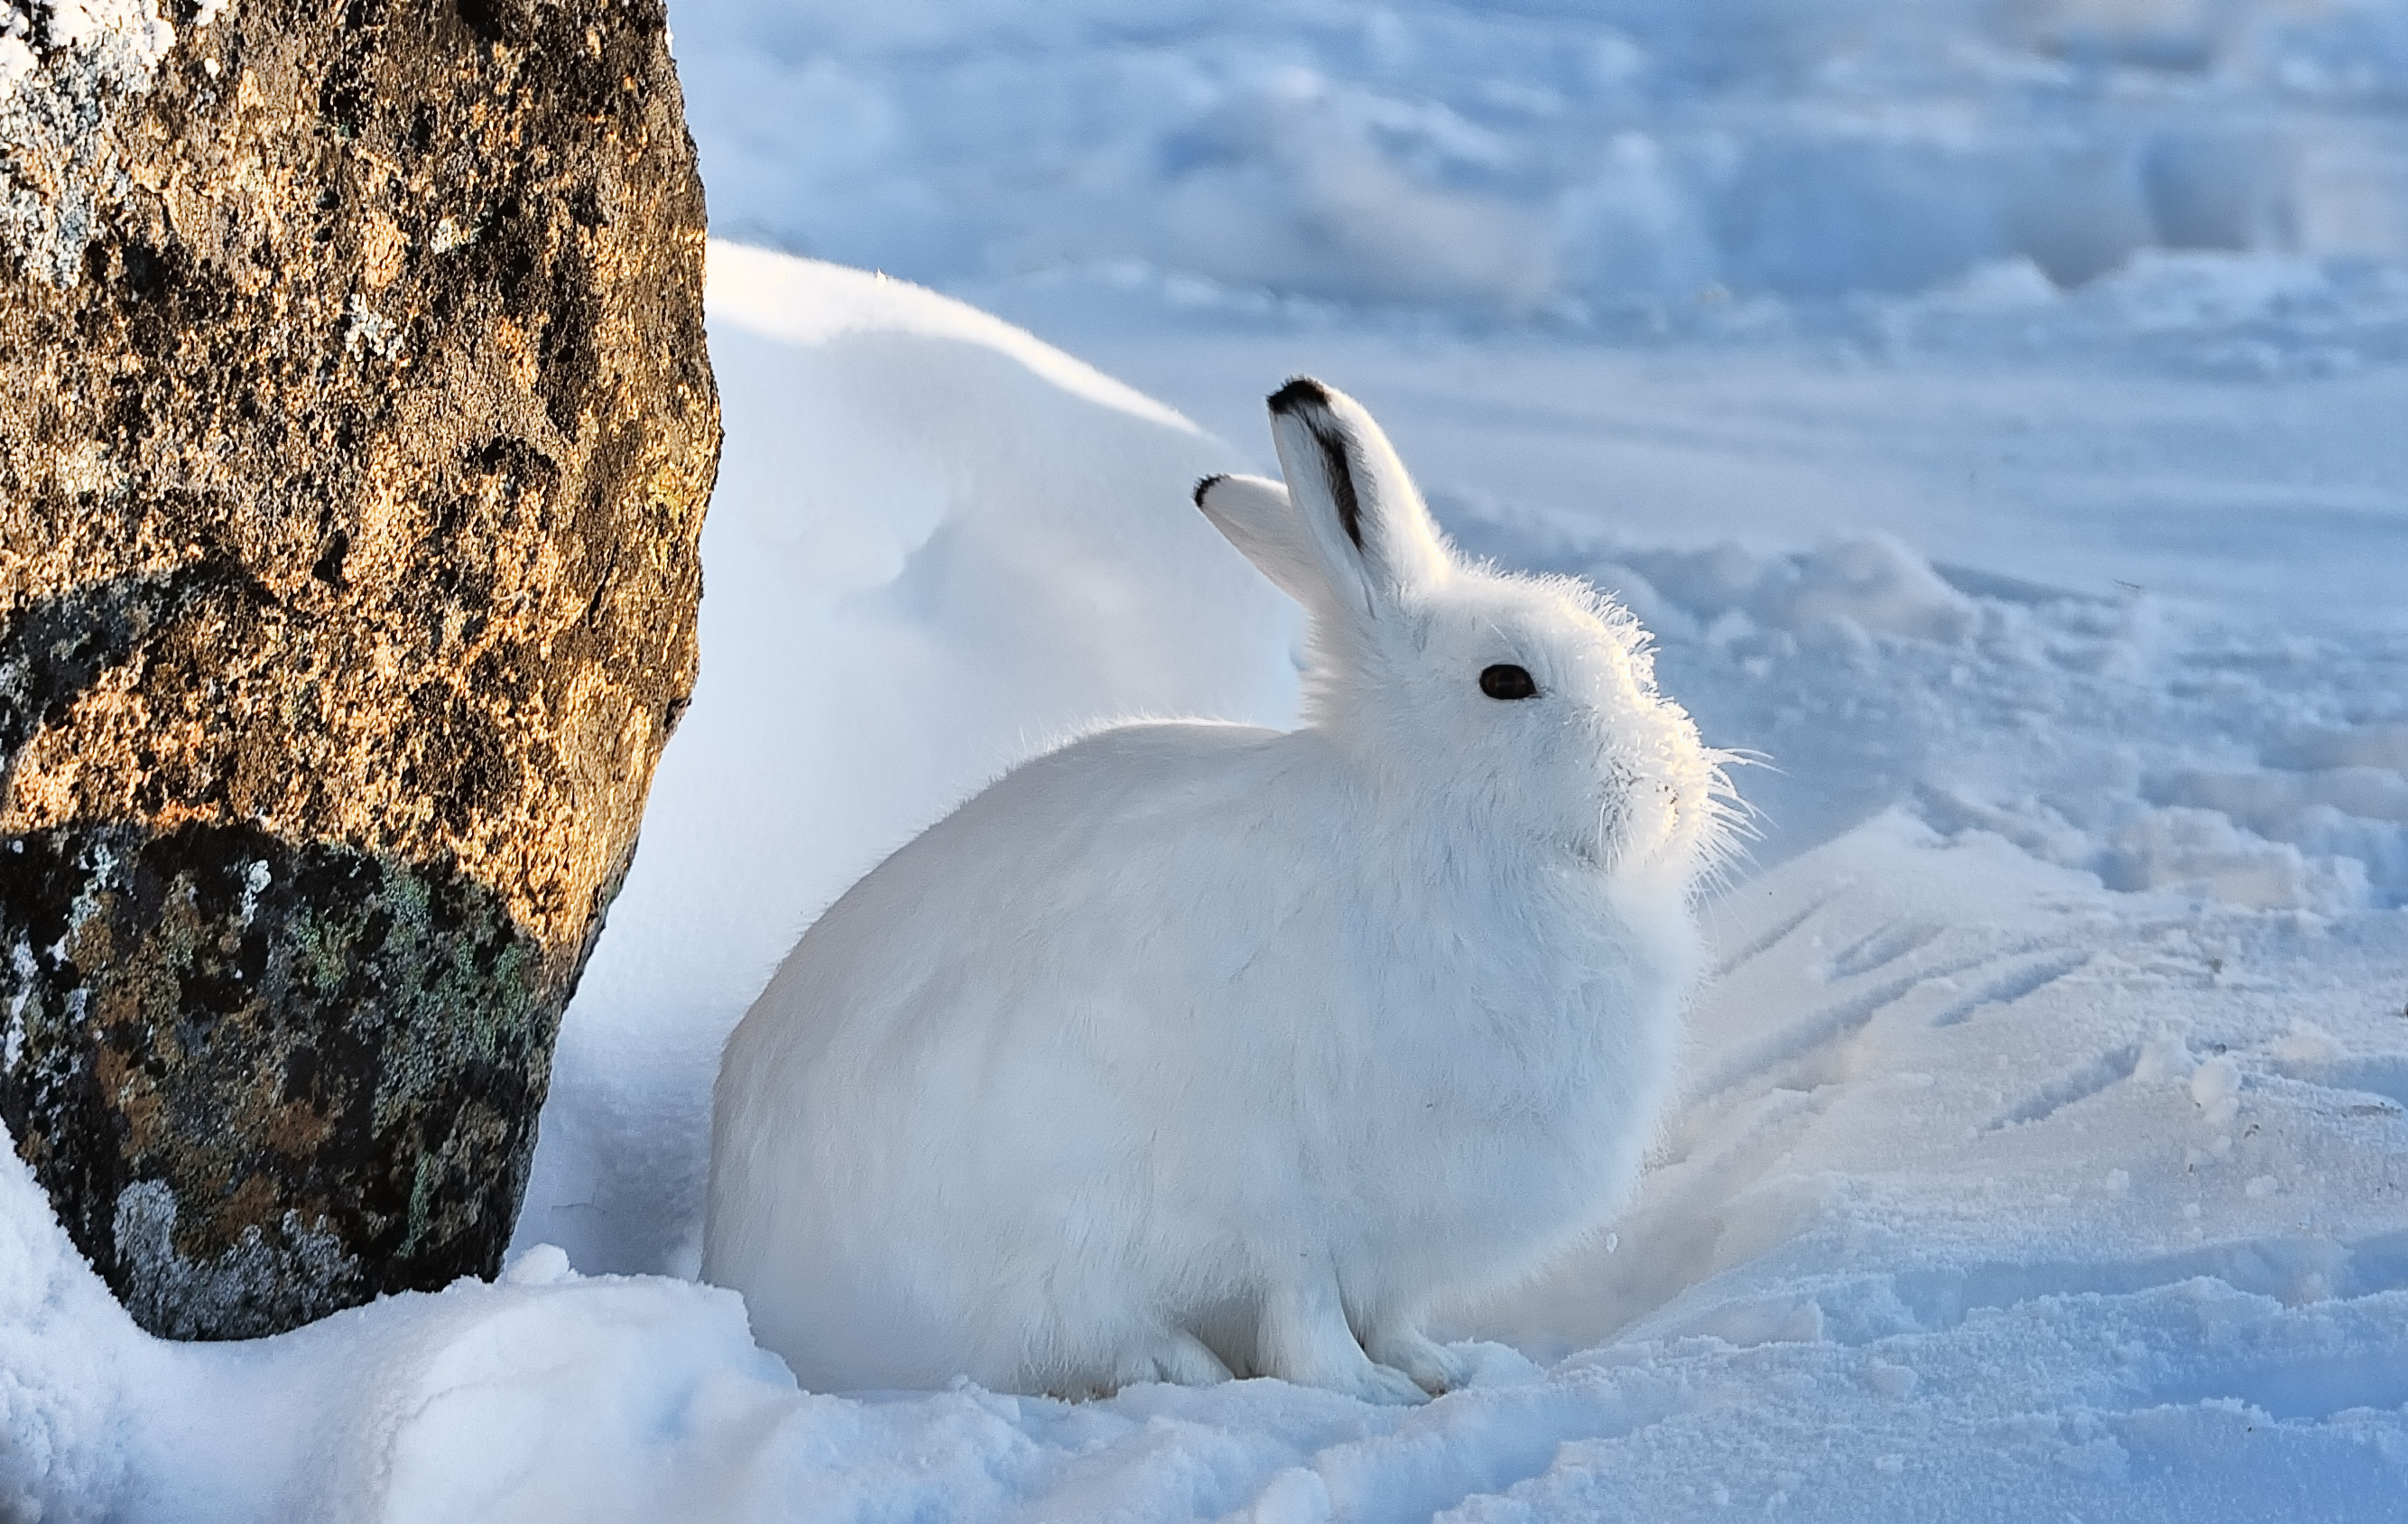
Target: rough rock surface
{"type": "Point", "coordinates": [355, 431]}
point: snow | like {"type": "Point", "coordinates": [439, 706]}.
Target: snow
{"type": "Point", "coordinates": [2043, 1145]}
{"type": "Point", "coordinates": [1592, 163]}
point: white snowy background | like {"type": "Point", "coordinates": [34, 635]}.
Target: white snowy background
{"type": "Point", "coordinates": [1995, 406]}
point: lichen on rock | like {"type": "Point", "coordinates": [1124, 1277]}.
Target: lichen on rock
{"type": "Point", "coordinates": [66, 66]}
{"type": "Point", "coordinates": [361, 1043]}
{"type": "Point", "coordinates": [181, 1297]}
{"type": "Point", "coordinates": [349, 506]}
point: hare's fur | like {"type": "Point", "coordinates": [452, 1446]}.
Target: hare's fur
{"type": "Point", "coordinates": [1193, 1049]}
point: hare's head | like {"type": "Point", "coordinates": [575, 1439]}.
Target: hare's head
{"type": "Point", "coordinates": [1511, 704]}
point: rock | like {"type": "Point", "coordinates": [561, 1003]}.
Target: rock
{"type": "Point", "coordinates": [356, 434]}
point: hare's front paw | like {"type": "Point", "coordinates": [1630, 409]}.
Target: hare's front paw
{"type": "Point", "coordinates": [1360, 1379]}
{"type": "Point", "coordinates": [1434, 1368]}
{"type": "Point", "coordinates": [1183, 1359]}
{"type": "Point", "coordinates": [1351, 1372]}
{"type": "Point", "coordinates": [1377, 1383]}
{"type": "Point", "coordinates": [1305, 1340]}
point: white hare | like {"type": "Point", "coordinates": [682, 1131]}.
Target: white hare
{"type": "Point", "coordinates": [1194, 1049]}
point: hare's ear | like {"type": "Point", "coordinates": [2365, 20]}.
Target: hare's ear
{"type": "Point", "coordinates": [1253, 513]}
{"type": "Point", "coordinates": [1353, 497]}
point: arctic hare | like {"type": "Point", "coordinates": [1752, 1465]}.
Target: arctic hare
{"type": "Point", "coordinates": [1194, 1049]}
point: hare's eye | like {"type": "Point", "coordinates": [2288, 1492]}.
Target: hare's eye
{"type": "Point", "coordinates": [1507, 681]}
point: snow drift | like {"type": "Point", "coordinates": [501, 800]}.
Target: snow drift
{"type": "Point", "coordinates": [937, 546]}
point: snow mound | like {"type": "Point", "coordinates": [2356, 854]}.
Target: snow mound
{"type": "Point", "coordinates": [60, 1377]}
{"type": "Point", "coordinates": [2205, 850]}
{"type": "Point", "coordinates": [1846, 588]}
{"type": "Point", "coordinates": [2357, 811]}
{"type": "Point", "coordinates": [936, 545]}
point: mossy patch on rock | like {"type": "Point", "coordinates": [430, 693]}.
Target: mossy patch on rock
{"type": "Point", "coordinates": [268, 1080]}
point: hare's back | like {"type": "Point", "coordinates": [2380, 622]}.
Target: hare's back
{"type": "Point", "coordinates": [1091, 877]}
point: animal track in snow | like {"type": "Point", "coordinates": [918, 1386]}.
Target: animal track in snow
{"type": "Point", "coordinates": [2081, 1085]}
{"type": "Point", "coordinates": [2011, 986]}
{"type": "Point", "coordinates": [2384, 1074]}
{"type": "Point", "coordinates": [2295, 1386]}
{"type": "Point", "coordinates": [1779, 932]}
{"type": "Point", "coordinates": [1834, 1023]}
{"type": "Point", "coordinates": [2292, 1270]}
{"type": "Point", "coordinates": [1887, 945]}
{"type": "Point", "coordinates": [1404, 1475]}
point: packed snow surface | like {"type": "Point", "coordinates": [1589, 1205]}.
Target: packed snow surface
{"type": "Point", "coordinates": [2041, 1150]}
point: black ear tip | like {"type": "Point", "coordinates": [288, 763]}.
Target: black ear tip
{"type": "Point", "coordinates": [1298, 393]}
{"type": "Point", "coordinates": [1205, 485]}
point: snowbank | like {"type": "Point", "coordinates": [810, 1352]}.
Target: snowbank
{"type": "Point", "coordinates": [936, 544]}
